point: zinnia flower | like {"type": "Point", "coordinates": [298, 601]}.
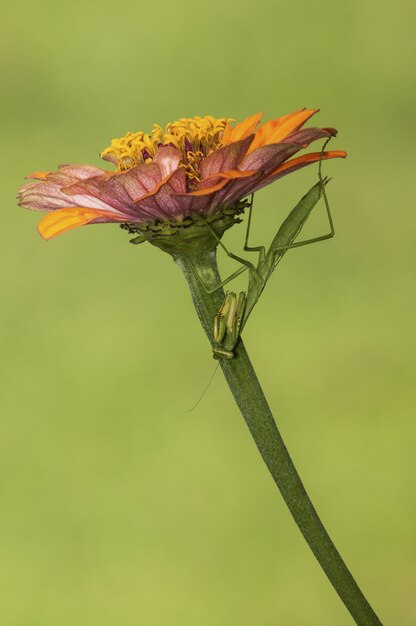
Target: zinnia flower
{"type": "Point", "coordinates": [180, 189]}
{"type": "Point", "coordinates": [197, 167]}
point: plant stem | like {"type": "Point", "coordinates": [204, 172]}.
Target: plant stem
{"type": "Point", "coordinates": [249, 396]}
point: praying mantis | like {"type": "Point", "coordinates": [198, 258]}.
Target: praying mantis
{"type": "Point", "coordinates": [234, 312]}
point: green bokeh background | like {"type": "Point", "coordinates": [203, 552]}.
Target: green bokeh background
{"type": "Point", "coordinates": [117, 505]}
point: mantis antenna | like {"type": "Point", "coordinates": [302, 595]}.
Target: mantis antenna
{"type": "Point", "coordinates": [206, 389]}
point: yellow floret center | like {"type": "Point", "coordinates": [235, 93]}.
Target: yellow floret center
{"type": "Point", "coordinates": [194, 137]}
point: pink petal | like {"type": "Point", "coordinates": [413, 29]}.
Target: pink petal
{"type": "Point", "coordinates": [81, 172]}
{"type": "Point", "coordinates": [306, 136]}
{"type": "Point", "coordinates": [226, 158]}
{"type": "Point", "coordinates": [268, 157]}
{"type": "Point", "coordinates": [122, 189]}
{"type": "Point", "coordinates": [214, 179]}
{"type": "Point", "coordinates": [168, 159]}
{"type": "Point", "coordinates": [314, 158]}
{"type": "Point", "coordinates": [48, 196]}
{"type": "Point", "coordinates": [239, 189]}
{"type": "Point", "coordinates": [207, 201]}
{"type": "Point", "coordinates": [47, 193]}
{"type": "Point", "coordinates": [201, 205]}
{"type": "Point", "coordinates": [162, 202]}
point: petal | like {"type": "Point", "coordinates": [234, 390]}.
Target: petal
{"type": "Point", "coordinates": [48, 197]}
{"type": "Point", "coordinates": [306, 159]}
{"type": "Point", "coordinates": [271, 156]}
{"type": "Point", "coordinates": [115, 192]}
{"type": "Point", "coordinates": [120, 190]}
{"type": "Point", "coordinates": [38, 175]}
{"type": "Point", "coordinates": [231, 174]}
{"type": "Point", "coordinates": [291, 124]}
{"type": "Point", "coordinates": [57, 222]}
{"type": "Point", "coordinates": [163, 201]}
{"type": "Point", "coordinates": [136, 182]}
{"type": "Point", "coordinates": [278, 129]}
{"type": "Point", "coordinates": [47, 194]}
{"type": "Point", "coordinates": [298, 163]}
{"type": "Point", "coordinates": [238, 189]}
{"type": "Point", "coordinates": [305, 136]}
{"type": "Point", "coordinates": [226, 158]}
{"type": "Point", "coordinates": [207, 190]}
{"type": "Point", "coordinates": [206, 201]}
{"type": "Point", "coordinates": [241, 188]}
{"type": "Point", "coordinates": [81, 172]}
{"type": "Point", "coordinates": [168, 159]}
{"type": "Point", "coordinates": [213, 179]}
{"type": "Point", "coordinates": [267, 158]}
{"type": "Point", "coordinates": [226, 134]}
{"type": "Point", "coordinates": [216, 182]}
{"type": "Point", "coordinates": [241, 130]}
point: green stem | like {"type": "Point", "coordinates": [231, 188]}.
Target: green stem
{"type": "Point", "coordinates": [249, 396]}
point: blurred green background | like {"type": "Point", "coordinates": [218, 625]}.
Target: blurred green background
{"type": "Point", "coordinates": [118, 506]}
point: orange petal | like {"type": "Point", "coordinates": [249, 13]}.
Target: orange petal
{"type": "Point", "coordinates": [242, 130]}
{"type": "Point", "coordinates": [207, 190]}
{"type": "Point", "coordinates": [278, 129]}
{"type": "Point", "coordinates": [59, 221]}
{"type": "Point", "coordinates": [269, 127]}
{"type": "Point", "coordinates": [227, 176]}
{"type": "Point", "coordinates": [38, 175]}
{"type": "Point", "coordinates": [230, 174]}
{"type": "Point", "coordinates": [312, 157]}
{"type": "Point", "coordinates": [226, 134]}
{"type": "Point", "coordinates": [292, 124]}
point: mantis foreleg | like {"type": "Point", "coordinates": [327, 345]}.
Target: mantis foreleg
{"type": "Point", "coordinates": [228, 253]}
{"type": "Point", "coordinates": [246, 264]}
{"type": "Point", "coordinates": [260, 249]}
{"type": "Point", "coordinates": [223, 282]}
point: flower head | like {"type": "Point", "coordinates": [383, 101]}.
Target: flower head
{"type": "Point", "coordinates": [197, 168]}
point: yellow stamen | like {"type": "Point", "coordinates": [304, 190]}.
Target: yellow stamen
{"type": "Point", "coordinates": [194, 137]}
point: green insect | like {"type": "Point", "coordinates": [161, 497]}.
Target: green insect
{"type": "Point", "coordinates": [234, 312]}
{"type": "Point", "coordinates": [227, 324]}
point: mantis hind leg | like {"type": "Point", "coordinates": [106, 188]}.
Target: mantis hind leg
{"type": "Point", "coordinates": [246, 265]}
{"type": "Point", "coordinates": [244, 262]}
{"type": "Point", "coordinates": [260, 249]}
{"type": "Point", "coordinates": [331, 233]}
